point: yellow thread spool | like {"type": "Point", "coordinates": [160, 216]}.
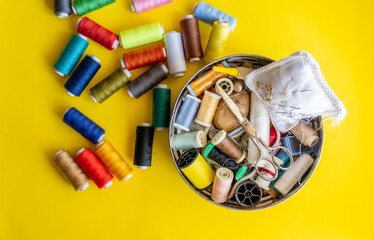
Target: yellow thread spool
{"type": "Point", "coordinates": [207, 109]}
{"type": "Point", "coordinates": [217, 40]}
{"type": "Point", "coordinates": [114, 161]}
{"type": "Point", "coordinates": [196, 169]}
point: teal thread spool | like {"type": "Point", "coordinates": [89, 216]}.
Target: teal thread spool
{"type": "Point", "coordinates": [141, 35]}
{"type": "Point", "coordinates": [82, 7]}
{"type": "Point", "coordinates": [71, 55]}
{"type": "Point", "coordinates": [161, 107]}
{"type": "Point", "coordinates": [189, 140]}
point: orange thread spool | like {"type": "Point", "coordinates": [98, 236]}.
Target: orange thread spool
{"type": "Point", "coordinates": [114, 161]}
{"type": "Point", "coordinates": [197, 87]}
{"type": "Point", "coordinates": [143, 57]}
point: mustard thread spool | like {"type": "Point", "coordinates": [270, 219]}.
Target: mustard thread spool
{"type": "Point", "coordinates": [207, 109]}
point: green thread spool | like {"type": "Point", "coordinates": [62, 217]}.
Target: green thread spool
{"type": "Point", "coordinates": [161, 107]}
{"type": "Point", "coordinates": [83, 7]}
{"type": "Point", "coordinates": [110, 85]}
{"type": "Point", "coordinates": [141, 35]}
{"type": "Point", "coordinates": [71, 55]}
{"type": "Point", "coordinates": [189, 140]}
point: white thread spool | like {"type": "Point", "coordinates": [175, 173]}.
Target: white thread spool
{"type": "Point", "coordinates": [175, 53]}
{"type": "Point", "coordinates": [294, 174]}
{"type": "Point", "coordinates": [260, 121]}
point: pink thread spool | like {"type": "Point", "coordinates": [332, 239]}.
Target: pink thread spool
{"type": "Point", "coordinates": [140, 6]}
{"type": "Point", "coordinates": [222, 184]}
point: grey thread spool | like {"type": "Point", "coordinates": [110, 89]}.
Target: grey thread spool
{"type": "Point", "coordinates": [62, 8]}
{"type": "Point", "coordinates": [189, 140]}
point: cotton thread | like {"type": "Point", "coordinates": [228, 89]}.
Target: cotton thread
{"type": "Point", "coordinates": [222, 184]}
{"type": "Point", "coordinates": [191, 38]}
{"type": "Point", "coordinates": [97, 33]}
{"type": "Point", "coordinates": [161, 107]}
{"type": "Point", "coordinates": [217, 41]}
{"type": "Point", "coordinates": [71, 55]}
{"type": "Point", "coordinates": [71, 170]}
{"type": "Point", "coordinates": [148, 80]}
{"type": "Point", "coordinates": [140, 6]}
{"type": "Point", "coordinates": [83, 125]}
{"type": "Point", "coordinates": [62, 8]}
{"type": "Point", "coordinates": [307, 135]}
{"type": "Point", "coordinates": [83, 7]}
{"type": "Point", "coordinates": [141, 35]}
{"type": "Point", "coordinates": [110, 85]}
{"type": "Point", "coordinates": [187, 113]}
{"type": "Point", "coordinates": [143, 57]}
{"type": "Point", "coordinates": [220, 158]}
{"type": "Point", "coordinates": [82, 75]}
{"type": "Point", "coordinates": [227, 145]}
{"type": "Point", "coordinates": [207, 109]}
{"type": "Point", "coordinates": [189, 140]}
{"type": "Point", "coordinates": [114, 161]}
{"type": "Point", "coordinates": [175, 54]}
{"type": "Point", "coordinates": [93, 167]}
{"type": "Point", "coordinates": [143, 146]}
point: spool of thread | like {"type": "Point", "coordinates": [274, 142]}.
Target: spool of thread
{"type": "Point", "coordinates": [228, 146]}
{"type": "Point", "coordinates": [110, 85]}
{"type": "Point", "coordinates": [226, 84]}
{"type": "Point", "coordinates": [62, 8]}
{"type": "Point", "coordinates": [248, 194]}
{"type": "Point", "coordinates": [217, 41]}
{"type": "Point", "coordinates": [142, 35]}
{"type": "Point", "coordinates": [207, 109]}
{"type": "Point", "coordinates": [143, 146]}
{"type": "Point", "coordinates": [294, 174]}
{"type": "Point", "coordinates": [188, 140]}
{"type": "Point", "coordinates": [71, 55]}
{"type": "Point", "coordinates": [175, 55]}
{"type": "Point", "coordinates": [197, 87]}
{"type": "Point", "coordinates": [83, 125]}
{"type": "Point", "coordinates": [222, 184]}
{"type": "Point", "coordinates": [143, 57]}
{"type": "Point", "coordinates": [82, 75]}
{"type": "Point", "coordinates": [161, 107]}
{"type": "Point", "coordinates": [220, 158]}
{"type": "Point", "coordinates": [93, 167]}
{"type": "Point", "coordinates": [148, 80]}
{"type": "Point", "coordinates": [65, 162]}
{"type": "Point", "coordinates": [307, 135]}
{"type": "Point", "coordinates": [191, 38]}
{"type": "Point", "coordinates": [273, 136]}
{"type": "Point", "coordinates": [269, 172]}
{"type": "Point", "coordinates": [83, 7]}
{"type": "Point", "coordinates": [260, 121]}
{"type": "Point", "coordinates": [285, 159]}
{"type": "Point", "coordinates": [209, 14]}
{"type": "Point", "coordinates": [97, 33]}
{"type": "Point", "coordinates": [196, 169]}
{"type": "Point", "coordinates": [140, 6]}
{"type": "Point", "coordinates": [113, 161]}
{"type": "Point", "coordinates": [187, 113]}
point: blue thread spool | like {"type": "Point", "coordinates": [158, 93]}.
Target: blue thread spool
{"type": "Point", "coordinates": [71, 55]}
{"type": "Point", "coordinates": [83, 125]}
{"type": "Point", "coordinates": [209, 14]}
{"type": "Point", "coordinates": [82, 76]}
{"type": "Point", "coordinates": [187, 113]}
{"type": "Point", "coordinates": [283, 156]}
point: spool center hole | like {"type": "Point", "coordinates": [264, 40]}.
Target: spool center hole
{"type": "Point", "coordinates": [248, 194]}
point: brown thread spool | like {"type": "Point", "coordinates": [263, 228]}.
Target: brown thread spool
{"type": "Point", "coordinates": [191, 38]}
{"type": "Point", "coordinates": [72, 171]}
{"type": "Point", "coordinates": [228, 146]}
{"type": "Point", "coordinates": [207, 109]}
{"type": "Point", "coordinates": [307, 135]}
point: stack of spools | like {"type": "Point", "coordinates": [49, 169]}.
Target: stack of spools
{"type": "Point", "coordinates": [178, 47]}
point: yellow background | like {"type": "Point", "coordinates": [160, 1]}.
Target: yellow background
{"type": "Point", "coordinates": [36, 202]}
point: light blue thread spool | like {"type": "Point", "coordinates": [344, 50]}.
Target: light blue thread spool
{"type": "Point", "coordinates": [209, 14]}
{"type": "Point", "coordinates": [187, 113]}
{"type": "Point", "coordinates": [71, 55]}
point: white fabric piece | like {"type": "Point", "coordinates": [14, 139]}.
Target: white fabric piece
{"type": "Point", "coordinates": [300, 91]}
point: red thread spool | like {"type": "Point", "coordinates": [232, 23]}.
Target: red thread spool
{"type": "Point", "coordinates": [143, 57]}
{"type": "Point", "coordinates": [273, 136]}
{"type": "Point", "coordinates": [97, 33]}
{"type": "Point", "coordinates": [93, 167]}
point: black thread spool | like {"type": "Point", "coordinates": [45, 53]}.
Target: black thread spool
{"type": "Point", "coordinates": [248, 194]}
{"type": "Point", "coordinates": [222, 159]}
{"type": "Point", "coordinates": [62, 8]}
{"type": "Point", "coordinates": [143, 146]}
{"type": "Point", "coordinates": [148, 80]}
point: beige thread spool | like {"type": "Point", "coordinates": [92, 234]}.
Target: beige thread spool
{"type": "Point", "coordinates": [222, 184]}
{"type": "Point", "coordinates": [228, 146]}
{"type": "Point", "coordinates": [72, 171]}
{"type": "Point", "coordinates": [207, 109]}
{"type": "Point", "coordinates": [307, 135]}
{"type": "Point", "coordinates": [238, 85]}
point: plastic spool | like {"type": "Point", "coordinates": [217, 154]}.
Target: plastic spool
{"type": "Point", "coordinates": [132, 6]}
{"type": "Point", "coordinates": [144, 125]}
{"type": "Point", "coordinates": [226, 84]}
{"type": "Point", "coordinates": [63, 15]}
{"type": "Point", "coordinates": [219, 137]}
{"type": "Point", "coordinates": [74, 9]}
{"type": "Point", "coordinates": [248, 194]}
{"type": "Point", "coordinates": [195, 58]}
{"type": "Point", "coordinates": [177, 125]}
{"type": "Point", "coordinates": [161, 86]}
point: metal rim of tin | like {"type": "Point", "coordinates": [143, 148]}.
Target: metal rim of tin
{"type": "Point", "coordinates": [235, 61]}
